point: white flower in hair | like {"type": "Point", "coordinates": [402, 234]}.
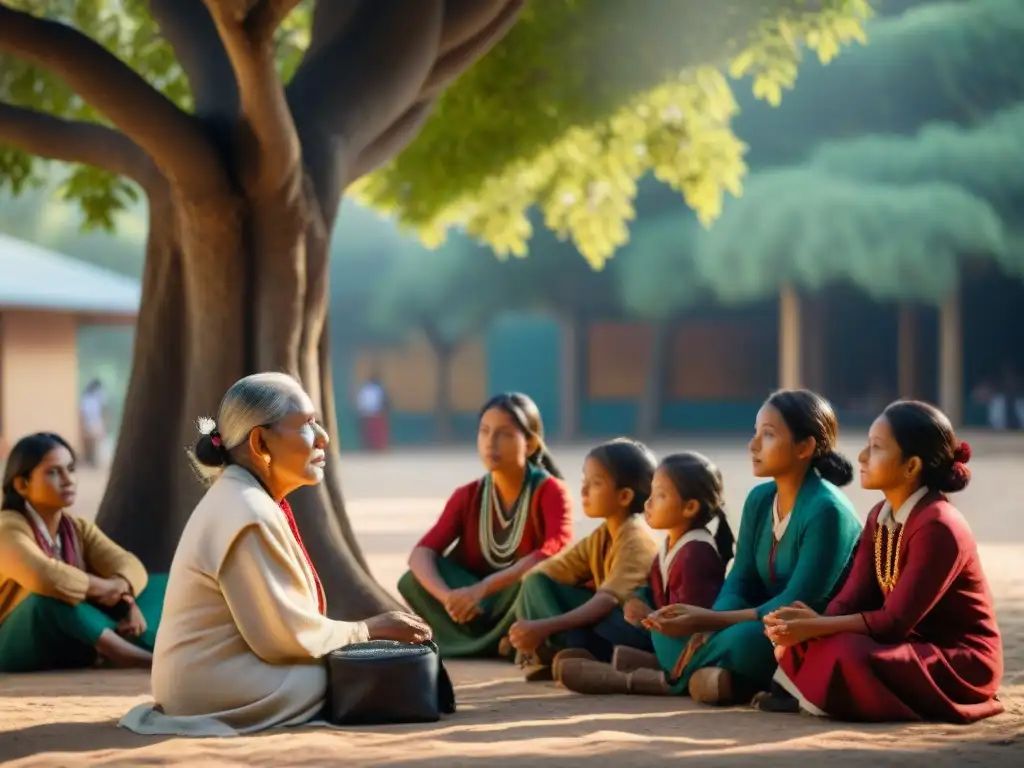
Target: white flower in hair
{"type": "Point", "coordinates": [207, 426]}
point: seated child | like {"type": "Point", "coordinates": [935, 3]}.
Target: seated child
{"type": "Point", "coordinates": [690, 570]}
{"type": "Point", "coordinates": [574, 599]}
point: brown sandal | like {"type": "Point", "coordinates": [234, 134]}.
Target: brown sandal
{"type": "Point", "coordinates": [626, 659]}
{"type": "Point", "coordinates": [597, 679]}
{"type": "Point", "coordinates": [569, 653]}
{"type": "Point", "coordinates": [711, 685]}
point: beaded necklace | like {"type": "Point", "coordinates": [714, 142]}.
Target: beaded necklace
{"type": "Point", "coordinates": [501, 554]}
{"type": "Point", "coordinates": [889, 574]}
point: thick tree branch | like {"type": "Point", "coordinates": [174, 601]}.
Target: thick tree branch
{"type": "Point", "coordinates": [463, 20]}
{"type": "Point", "coordinates": [77, 142]}
{"type": "Point", "coordinates": [464, 50]}
{"type": "Point", "coordinates": [188, 27]}
{"type": "Point", "coordinates": [360, 83]}
{"type": "Point", "coordinates": [247, 30]}
{"type": "Point", "coordinates": [330, 19]}
{"type": "Point", "coordinates": [169, 136]}
{"type": "Point", "coordinates": [360, 98]}
{"type": "Point", "coordinates": [396, 138]}
{"type": "Point", "coordinates": [266, 16]}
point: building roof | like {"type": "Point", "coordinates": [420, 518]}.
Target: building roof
{"type": "Point", "coordinates": [32, 277]}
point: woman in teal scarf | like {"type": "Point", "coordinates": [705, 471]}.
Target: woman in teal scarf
{"type": "Point", "coordinates": [796, 538]}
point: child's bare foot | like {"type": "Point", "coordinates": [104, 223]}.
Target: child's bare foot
{"type": "Point", "coordinates": [119, 653]}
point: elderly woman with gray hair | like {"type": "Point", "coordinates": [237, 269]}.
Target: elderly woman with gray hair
{"type": "Point", "coordinates": [244, 630]}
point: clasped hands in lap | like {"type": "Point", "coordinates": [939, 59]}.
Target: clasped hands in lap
{"type": "Point", "coordinates": [784, 626]}
{"type": "Point", "coordinates": [113, 593]}
{"type": "Point", "coordinates": [464, 605]}
{"type": "Point", "coordinates": [789, 626]}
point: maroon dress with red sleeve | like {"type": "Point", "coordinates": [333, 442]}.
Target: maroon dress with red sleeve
{"type": "Point", "coordinates": [547, 530]}
{"type": "Point", "coordinates": [691, 573]}
{"type": "Point", "coordinates": [933, 650]}
{"type": "Point", "coordinates": [476, 536]}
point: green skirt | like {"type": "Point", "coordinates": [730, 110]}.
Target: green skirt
{"type": "Point", "coordinates": [477, 639]}
{"type": "Point", "coordinates": [742, 649]}
{"type": "Point", "coordinates": [44, 633]}
{"type": "Point", "coordinates": [542, 598]}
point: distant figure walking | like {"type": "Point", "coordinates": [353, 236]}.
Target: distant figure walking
{"type": "Point", "coordinates": [372, 405]}
{"type": "Point", "coordinates": [92, 410]}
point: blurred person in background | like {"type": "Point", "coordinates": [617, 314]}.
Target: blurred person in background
{"type": "Point", "coordinates": [372, 405]}
{"type": "Point", "coordinates": [92, 410]}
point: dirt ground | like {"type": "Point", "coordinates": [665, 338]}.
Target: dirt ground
{"type": "Point", "coordinates": [70, 719]}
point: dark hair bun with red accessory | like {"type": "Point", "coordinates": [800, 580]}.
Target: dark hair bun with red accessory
{"type": "Point", "coordinates": [959, 476]}
{"type": "Point", "coordinates": [209, 448]}
{"type": "Point", "coordinates": [962, 454]}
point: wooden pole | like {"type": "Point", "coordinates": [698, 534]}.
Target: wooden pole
{"type": "Point", "coordinates": [790, 353]}
{"type": "Point", "coordinates": [906, 352]}
{"type": "Point", "coordinates": [951, 366]}
{"type": "Point", "coordinates": [570, 378]}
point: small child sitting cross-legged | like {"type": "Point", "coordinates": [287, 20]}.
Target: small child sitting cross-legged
{"type": "Point", "coordinates": [690, 570]}
{"type": "Point", "coordinates": [574, 600]}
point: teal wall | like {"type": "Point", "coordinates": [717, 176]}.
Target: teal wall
{"type": "Point", "coordinates": [524, 354]}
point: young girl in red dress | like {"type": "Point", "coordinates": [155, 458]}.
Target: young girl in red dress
{"type": "Point", "coordinates": [912, 635]}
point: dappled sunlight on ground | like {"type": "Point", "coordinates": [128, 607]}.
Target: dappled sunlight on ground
{"type": "Point", "coordinates": [69, 719]}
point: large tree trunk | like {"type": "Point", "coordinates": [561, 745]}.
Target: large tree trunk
{"type": "Point", "coordinates": [197, 334]}
{"type": "Point", "coordinates": [243, 196]}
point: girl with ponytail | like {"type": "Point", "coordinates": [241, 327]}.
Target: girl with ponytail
{"type": "Point", "coordinates": [912, 635]}
{"type": "Point", "coordinates": [687, 503]}
{"type": "Point", "coordinates": [796, 538]}
{"type": "Point", "coordinates": [465, 573]}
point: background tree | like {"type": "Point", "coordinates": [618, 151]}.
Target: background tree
{"type": "Point", "coordinates": [656, 280]}
{"type": "Point", "coordinates": [244, 121]}
{"type": "Point", "coordinates": [447, 295]}
{"type": "Point", "coordinates": [894, 216]}
{"type": "Point", "coordinates": [955, 61]}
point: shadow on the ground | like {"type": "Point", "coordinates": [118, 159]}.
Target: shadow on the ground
{"type": "Point", "coordinates": [701, 736]}
{"type": "Point", "coordinates": [506, 722]}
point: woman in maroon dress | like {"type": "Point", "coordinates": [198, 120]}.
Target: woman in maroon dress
{"type": "Point", "coordinates": [912, 635]}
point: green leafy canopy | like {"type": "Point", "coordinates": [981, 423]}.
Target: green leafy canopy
{"type": "Point", "coordinates": [580, 100]}
{"type": "Point", "coordinates": [895, 215]}
{"type": "Point", "coordinates": [510, 136]}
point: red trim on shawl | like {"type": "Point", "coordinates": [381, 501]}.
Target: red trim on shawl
{"type": "Point", "coordinates": [71, 547]}
{"type": "Point", "coordinates": [321, 597]}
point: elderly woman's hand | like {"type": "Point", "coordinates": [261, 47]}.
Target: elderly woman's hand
{"type": "Point", "coordinates": [396, 625]}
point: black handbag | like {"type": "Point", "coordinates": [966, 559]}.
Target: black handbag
{"type": "Point", "coordinates": [385, 682]}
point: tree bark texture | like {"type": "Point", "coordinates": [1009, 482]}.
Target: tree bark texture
{"type": "Point", "coordinates": [243, 195]}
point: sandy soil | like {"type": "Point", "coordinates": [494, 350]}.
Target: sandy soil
{"type": "Point", "coordinates": [69, 719]}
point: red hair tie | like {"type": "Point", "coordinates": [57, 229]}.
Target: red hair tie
{"type": "Point", "coordinates": [215, 439]}
{"type": "Point", "coordinates": [962, 454]}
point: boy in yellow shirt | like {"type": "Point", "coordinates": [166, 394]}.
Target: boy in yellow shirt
{"type": "Point", "coordinates": [574, 600]}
